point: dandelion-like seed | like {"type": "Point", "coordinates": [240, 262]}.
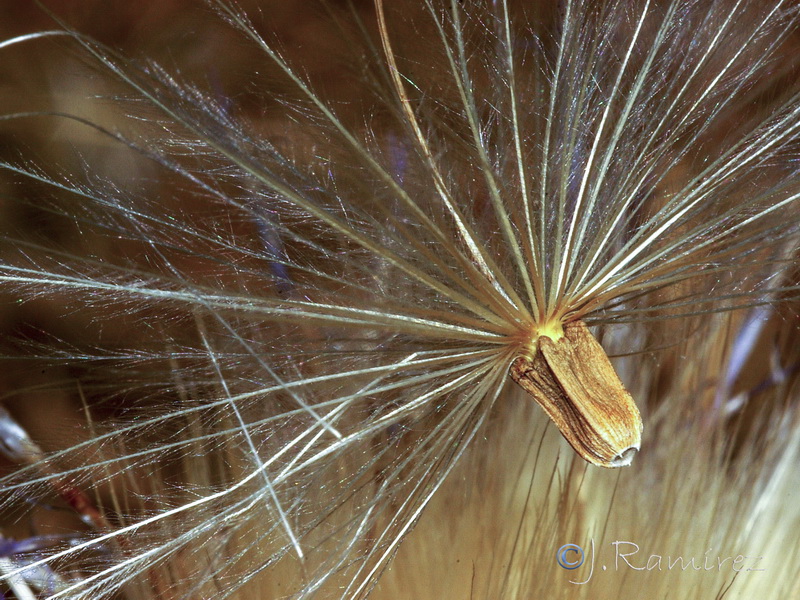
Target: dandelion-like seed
{"type": "Point", "coordinates": [337, 318]}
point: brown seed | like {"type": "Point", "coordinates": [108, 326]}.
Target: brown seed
{"type": "Point", "coordinates": [573, 381]}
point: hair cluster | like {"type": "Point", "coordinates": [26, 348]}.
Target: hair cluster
{"type": "Point", "coordinates": [266, 329]}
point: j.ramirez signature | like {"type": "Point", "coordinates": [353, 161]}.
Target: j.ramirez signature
{"type": "Point", "coordinates": [627, 555]}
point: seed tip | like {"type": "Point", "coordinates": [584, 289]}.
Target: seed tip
{"type": "Point", "coordinates": [624, 458]}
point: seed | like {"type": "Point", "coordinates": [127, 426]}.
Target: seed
{"type": "Point", "coordinates": [572, 379]}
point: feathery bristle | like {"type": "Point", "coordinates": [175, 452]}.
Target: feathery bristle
{"type": "Point", "coordinates": [303, 316]}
